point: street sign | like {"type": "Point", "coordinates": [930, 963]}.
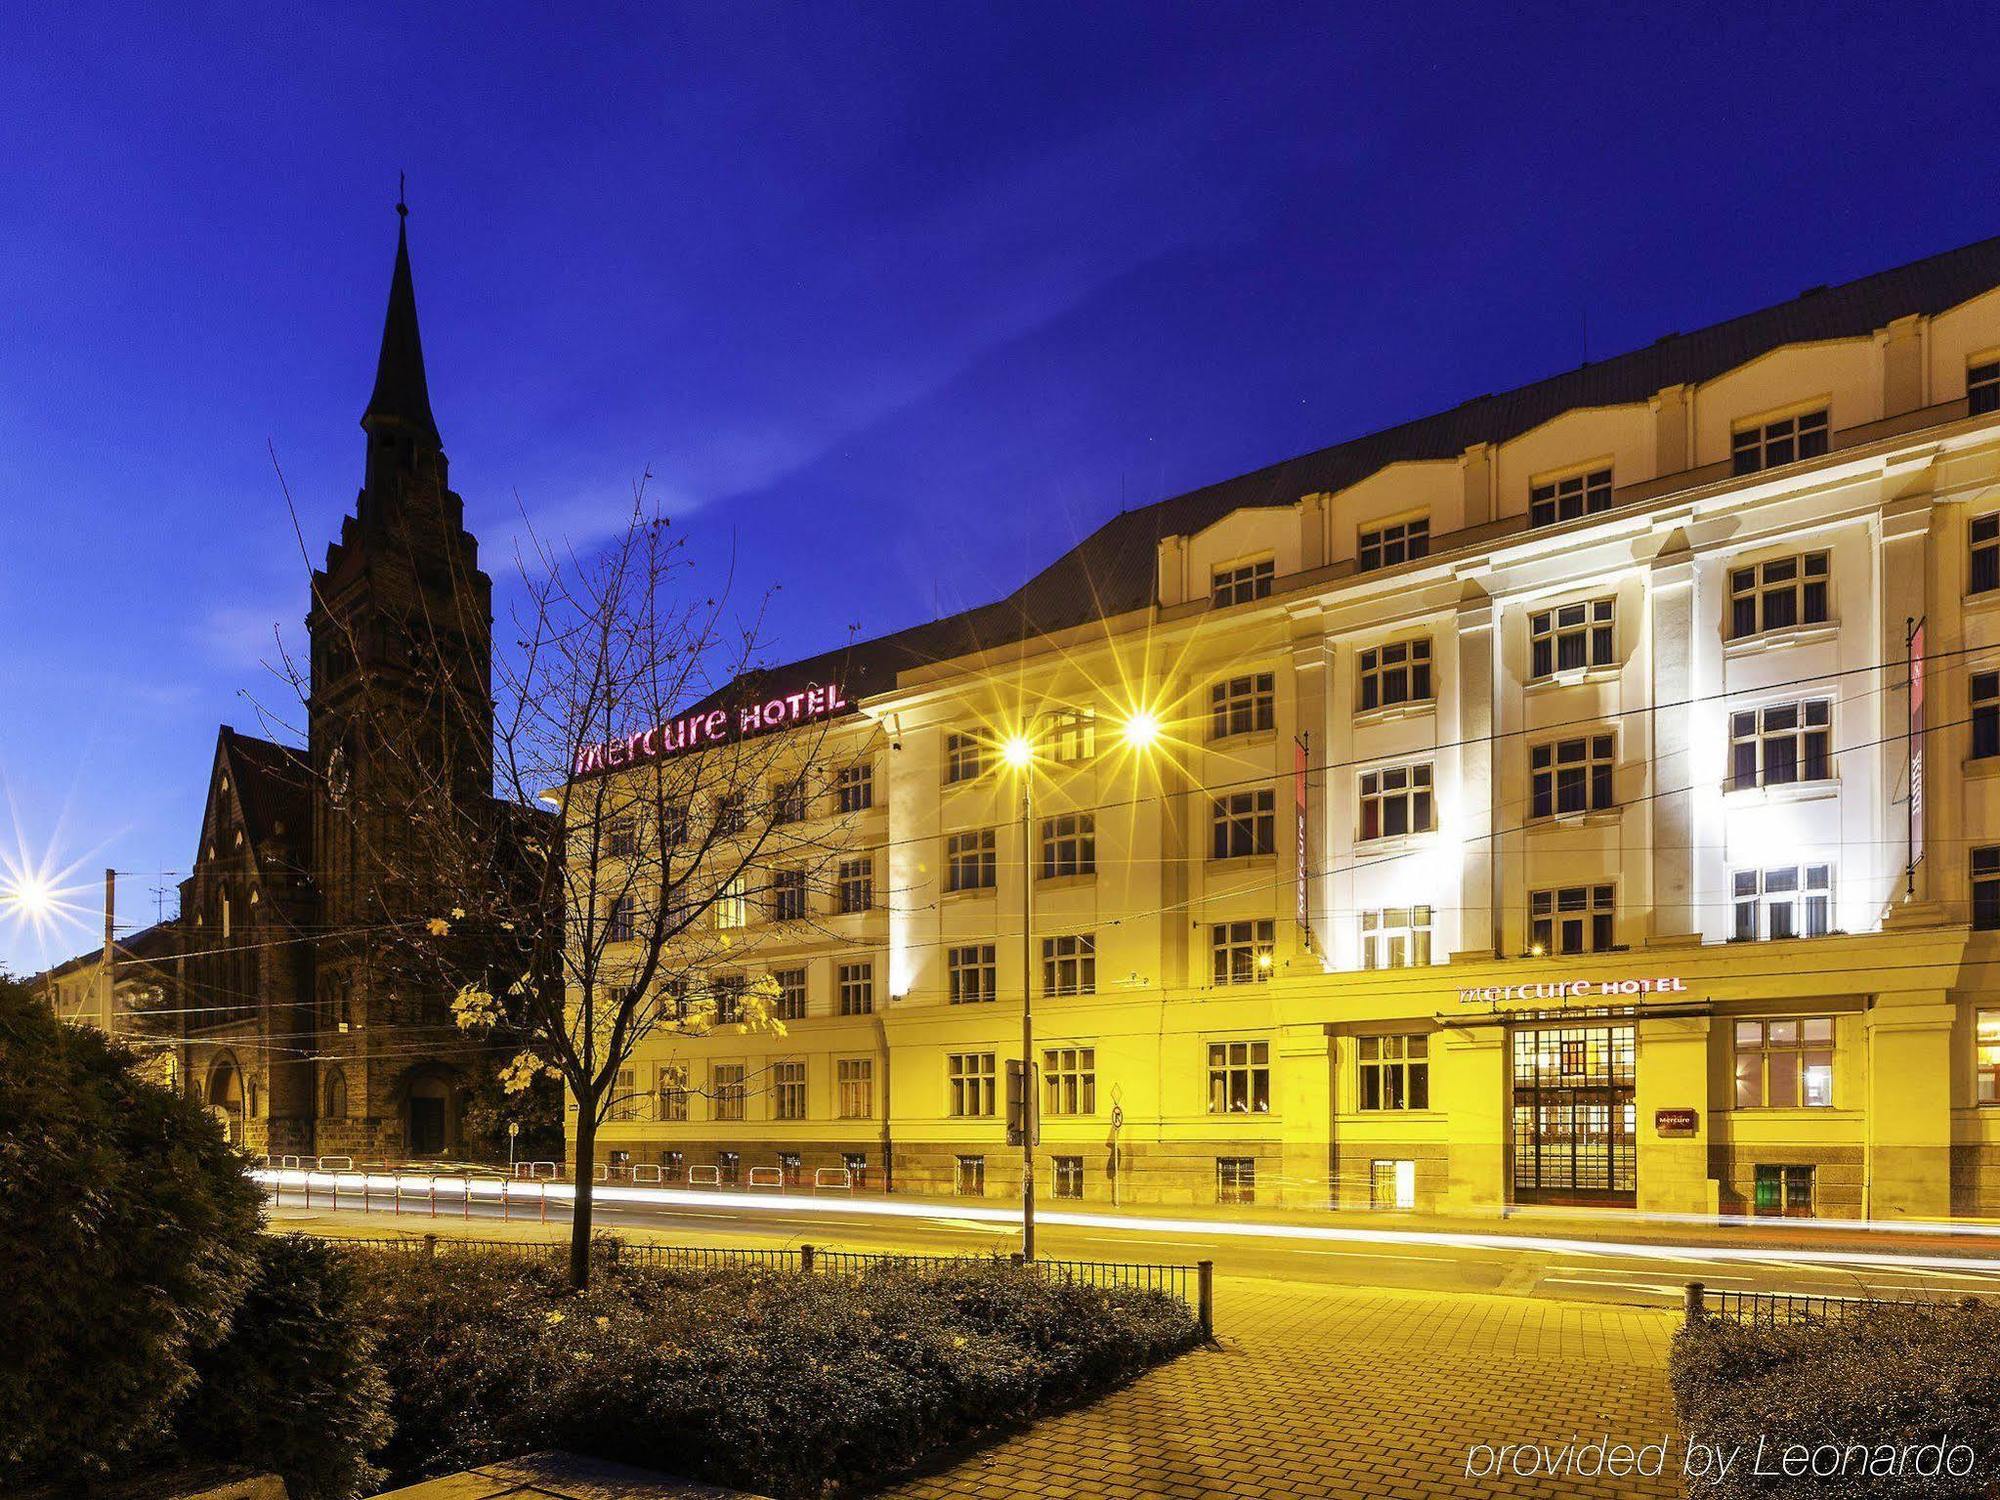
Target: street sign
{"type": "Point", "coordinates": [1676, 1122]}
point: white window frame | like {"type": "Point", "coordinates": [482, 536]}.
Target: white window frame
{"type": "Point", "coordinates": [1242, 952]}
{"type": "Point", "coordinates": [854, 987]}
{"type": "Point", "coordinates": [1389, 544]}
{"type": "Point", "coordinates": [975, 962]}
{"type": "Point", "coordinates": [854, 1087]}
{"type": "Point", "coordinates": [1580, 636]}
{"type": "Point", "coordinates": [1239, 1076]}
{"type": "Point", "coordinates": [1394, 674]}
{"type": "Point", "coordinates": [971, 860]}
{"type": "Point", "coordinates": [1589, 911]}
{"type": "Point", "coordinates": [1410, 786]}
{"type": "Point", "coordinates": [1569, 497]}
{"type": "Point", "coordinates": [1240, 583]}
{"type": "Point", "coordinates": [1798, 585]}
{"type": "Point", "coordinates": [1243, 825]}
{"type": "Point", "coordinates": [1773, 442]}
{"type": "Point", "coordinates": [1781, 901]}
{"type": "Point", "coordinates": [1751, 729]}
{"type": "Point", "coordinates": [788, 1089]}
{"type": "Point", "coordinates": [1069, 1081]}
{"type": "Point", "coordinates": [1245, 704]}
{"type": "Point", "coordinates": [969, 1079]}
{"type": "Point", "coordinates": [1396, 937]}
{"type": "Point", "coordinates": [1573, 776]}
{"type": "Point", "coordinates": [1069, 964]}
{"type": "Point", "coordinates": [1067, 846]}
{"type": "Point", "coordinates": [964, 758]}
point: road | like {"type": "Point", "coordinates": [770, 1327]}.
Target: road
{"type": "Point", "coordinates": [1630, 1261]}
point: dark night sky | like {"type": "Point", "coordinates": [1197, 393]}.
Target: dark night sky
{"type": "Point", "coordinates": [899, 301]}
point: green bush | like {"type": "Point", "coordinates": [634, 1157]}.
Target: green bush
{"type": "Point", "coordinates": [773, 1381]}
{"type": "Point", "coordinates": [126, 1232]}
{"type": "Point", "coordinates": [1855, 1396]}
{"type": "Point", "coordinates": [294, 1388]}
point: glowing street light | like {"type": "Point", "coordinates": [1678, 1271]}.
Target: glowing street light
{"type": "Point", "coordinates": [1017, 751]}
{"type": "Point", "coordinates": [1142, 729]}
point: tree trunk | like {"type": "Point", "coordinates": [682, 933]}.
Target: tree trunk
{"type": "Point", "coordinates": [586, 1176]}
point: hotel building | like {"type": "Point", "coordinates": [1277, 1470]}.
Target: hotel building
{"type": "Point", "coordinates": [1529, 817]}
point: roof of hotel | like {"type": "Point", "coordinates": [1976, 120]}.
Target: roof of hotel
{"type": "Point", "coordinates": [1111, 571]}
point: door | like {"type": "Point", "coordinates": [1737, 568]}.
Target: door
{"type": "Point", "coordinates": [426, 1126]}
{"type": "Point", "coordinates": [1575, 1124]}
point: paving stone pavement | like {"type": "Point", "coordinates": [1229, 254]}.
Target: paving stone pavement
{"type": "Point", "coordinates": [1349, 1392]}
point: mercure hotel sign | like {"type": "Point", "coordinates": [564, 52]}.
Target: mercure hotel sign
{"type": "Point", "coordinates": [718, 726]}
{"type": "Point", "coordinates": [1572, 989]}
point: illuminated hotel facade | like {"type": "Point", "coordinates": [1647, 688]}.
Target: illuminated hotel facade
{"type": "Point", "coordinates": [1528, 819]}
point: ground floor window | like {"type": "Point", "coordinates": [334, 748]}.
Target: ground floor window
{"type": "Point", "coordinates": [1784, 1064]}
{"type": "Point", "coordinates": [856, 1163]}
{"type": "Point", "coordinates": [1068, 1179]}
{"type": "Point", "coordinates": [788, 1167]}
{"type": "Point", "coordinates": [1784, 1192]}
{"type": "Point", "coordinates": [969, 1181]}
{"type": "Point", "coordinates": [1236, 1179]}
{"type": "Point", "coordinates": [672, 1165]}
{"type": "Point", "coordinates": [1392, 1184]}
{"type": "Point", "coordinates": [728, 1167]}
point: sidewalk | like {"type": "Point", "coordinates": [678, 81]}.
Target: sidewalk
{"type": "Point", "coordinates": [1374, 1395]}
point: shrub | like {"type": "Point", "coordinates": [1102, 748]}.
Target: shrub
{"type": "Point", "coordinates": [126, 1230]}
{"type": "Point", "coordinates": [1891, 1381]}
{"type": "Point", "coordinates": [773, 1381]}
{"type": "Point", "coordinates": [294, 1388]}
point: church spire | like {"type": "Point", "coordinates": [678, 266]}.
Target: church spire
{"type": "Point", "coordinates": [402, 398]}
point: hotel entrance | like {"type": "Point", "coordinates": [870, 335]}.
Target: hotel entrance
{"type": "Point", "coordinates": [1575, 1124]}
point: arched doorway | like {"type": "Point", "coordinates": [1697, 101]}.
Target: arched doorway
{"type": "Point", "coordinates": [430, 1112]}
{"type": "Point", "coordinates": [225, 1096]}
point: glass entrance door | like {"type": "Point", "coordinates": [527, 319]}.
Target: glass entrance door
{"type": "Point", "coordinates": [1575, 1124]}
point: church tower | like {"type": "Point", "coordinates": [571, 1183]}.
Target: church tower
{"type": "Point", "coordinates": [399, 737]}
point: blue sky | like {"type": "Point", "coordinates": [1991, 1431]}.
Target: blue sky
{"type": "Point", "coordinates": [895, 302]}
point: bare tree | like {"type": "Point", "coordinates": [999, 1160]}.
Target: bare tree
{"type": "Point", "coordinates": [648, 831]}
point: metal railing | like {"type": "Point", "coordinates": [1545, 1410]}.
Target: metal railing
{"type": "Point", "coordinates": [1788, 1309]}
{"type": "Point", "coordinates": [1192, 1285]}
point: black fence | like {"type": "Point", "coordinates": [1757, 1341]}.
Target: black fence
{"type": "Point", "coordinates": [1193, 1285]}
{"type": "Point", "coordinates": [1785, 1309]}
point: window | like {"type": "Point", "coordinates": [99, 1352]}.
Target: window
{"type": "Point", "coordinates": [728, 1168]}
{"type": "Point", "coordinates": [726, 1087]}
{"type": "Point", "coordinates": [1982, 388]}
{"type": "Point", "coordinates": [1392, 1184]}
{"type": "Point", "coordinates": [1571, 776]}
{"type": "Point", "coordinates": [1985, 715]}
{"type": "Point", "coordinates": [1069, 1081]}
{"type": "Point", "coordinates": [1567, 499]}
{"type": "Point", "coordinates": [788, 801]}
{"type": "Point", "coordinates": [673, 1165]}
{"type": "Point", "coordinates": [624, 1101]}
{"type": "Point", "coordinates": [1986, 1055]}
{"type": "Point", "coordinates": [1780, 744]}
{"type": "Point", "coordinates": [732, 907]}
{"type": "Point", "coordinates": [1069, 964]}
{"type": "Point", "coordinates": [728, 990]}
{"type": "Point", "coordinates": [1398, 542]}
{"type": "Point", "coordinates": [1235, 1179]}
{"type": "Point", "coordinates": [969, 1176]}
{"type": "Point", "coordinates": [673, 827]}
{"type": "Point", "coordinates": [671, 1088]}
{"type": "Point", "coordinates": [1766, 445]}
{"type": "Point", "coordinates": [964, 757]}
{"type": "Point", "coordinates": [789, 1167]}
{"type": "Point", "coordinates": [1396, 937]}
{"type": "Point", "coordinates": [1784, 1064]}
{"type": "Point", "coordinates": [1986, 888]}
{"type": "Point", "coordinates": [1242, 583]}
{"type": "Point", "coordinates": [1066, 1176]}
{"type": "Point", "coordinates": [1573, 919]}
{"type": "Point", "coordinates": [854, 787]}
{"type": "Point", "coordinates": [856, 1163]}
{"type": "Point", "coordinates": [1395, 1072]}
{"type": "Point", "coordinates": [1239, 1078]}
{"type": "Point", "coordinates": [854, 985]}
{"type": "Point", "coordinates": [1395, 801]}
{"type": "Point", "coordinates": [618, 920]}
{"type": "Point", "coordinates": [1243, 824]}
{"type": "Point", "coordinates": [1984, 534]}
{"type": "Point", "coordinates": [1790, 901]}
{"type": "Point", "coordinates": [1241, 705]}
{"type": "Point", "coordinates": [1069, 845]}
{"type": "Point", "coordinates": [1068, 736]}
{"type": "Point", "coordinates": [788, 895]}
{"type": "Point", "coordinates": [1778, 595]}
{"type": "Point", "coordinates": [854, 1078]}
{"type": "Point", "coordinates": [854, 885]}
{"type": "Point", "coordinates": [1784, 1192]}
{"type": "Point", "coordinates": [1572, 637]}
{"type": "Point", "coordinates": [970, 1075]}
{"type": "Point", "coordinates": [1241, 952]}
{"type": "Point", "coordinates": [1399, 672]}
{"type": "Point", "coordinates": [336, 1094]}
{"type": "Point", "coordinates": [788, 1091]}
{"type": "Point", "coordinates": [969, 861]}
{"type": "Point", "coordinates": [972, 974]}
{"type": "Point", "coordinates": [619, 841]}
{"type": "Point", "coordinates": [729, 814]}
{"type": "Point", "coordinates": [791, 985]}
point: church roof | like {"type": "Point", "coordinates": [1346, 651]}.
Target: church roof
{"type": "Point", "coordinates": [272, 787]}
{"type": "Point", "coordinates": [402, 395]}
{"type": "Point", "coordinates": [1111, 571]}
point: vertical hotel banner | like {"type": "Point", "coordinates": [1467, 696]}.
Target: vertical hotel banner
{"type": "Point", "coordinates": [1302, 860]}
{"type": "Point", "coordinates": [1918, 685]}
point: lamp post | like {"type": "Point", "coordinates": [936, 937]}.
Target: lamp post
{"type": "Point", "coordinates": [1020, 754]}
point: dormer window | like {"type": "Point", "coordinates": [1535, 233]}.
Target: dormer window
{"type": "Point", "coordinates": [1242, 583]}
{"type": "Point", "coordinates": [1397, 542]}
{"type": "Point", "coordinates": [1766, 445]}
{"type": "Point", "coordinates": [1569, 498]}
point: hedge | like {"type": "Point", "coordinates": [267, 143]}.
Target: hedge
{"type": "Point", "coordinates": [1895, 1401]}
{"type": "Point", "coordinates": [789, 1384]}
